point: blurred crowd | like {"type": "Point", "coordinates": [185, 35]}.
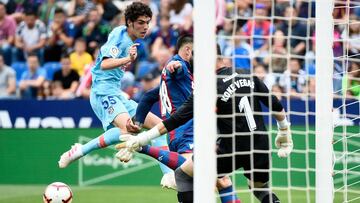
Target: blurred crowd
{"type": "Point", "coordinates": [48, 47]}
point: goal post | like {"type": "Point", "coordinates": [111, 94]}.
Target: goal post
{"type": "Point", "coordinates": [204, 101]}
{"type": "Point", "coordinates": [324, 97]}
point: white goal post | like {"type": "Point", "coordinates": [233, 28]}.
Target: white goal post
{"type": "Point", "coordinates": [324, 97]}
{"type": "Point", "coordinates": [205, 94]}
{"type": "Point", "coordinates": [204, 101]}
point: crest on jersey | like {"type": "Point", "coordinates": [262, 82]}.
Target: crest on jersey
{"type": "Point", "coordinates": [110, 110]}
{"type": "Point", "coordinates": [114, 52]}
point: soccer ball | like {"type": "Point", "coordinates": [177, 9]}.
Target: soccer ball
{"type": "Point", "coordinates": [57, 193]}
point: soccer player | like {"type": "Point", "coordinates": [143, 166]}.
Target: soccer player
{"type": "Point", "coordinates": [110, 106]}
{"type": "Point", "coordinates": [249, 127]}
{"type": "Point", "coordinates": [171, 96]}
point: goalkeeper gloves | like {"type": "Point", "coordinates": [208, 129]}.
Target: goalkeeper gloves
{"type": "Point", "coordinates": [134, 143]}
{"type": "Point", "coordinates": [283, 140]}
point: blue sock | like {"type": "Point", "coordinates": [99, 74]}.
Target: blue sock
{"type": "Point", "coordinates": [171, 159]}
{"type": "Point", "coordinates": [110, 137]}
{"type": "Point", "coordinates": [162, 143]}
{"type": "Point", "coordinates": [228, 195]}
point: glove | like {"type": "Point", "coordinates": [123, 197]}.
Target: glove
{"type": "Point", "coordinates": [283, 142]}
{"type": "Point", "coordinates": [124, 155]}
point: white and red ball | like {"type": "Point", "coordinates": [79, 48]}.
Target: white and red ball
{"type": "Point", "coordinates": [57, 193]}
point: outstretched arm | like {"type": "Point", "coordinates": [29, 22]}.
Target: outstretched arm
{"type": "Point", "coordinates": [180, 117]}
{"type": "Point", "coordinates": [283, 140]}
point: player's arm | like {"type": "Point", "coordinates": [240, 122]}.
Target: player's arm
{"type": "Point", "coordinates": [283, 139]}
{"type": "Point", "coordinates": [112, 63]}
{"type": "Point", "coordinates": [176, 68]}
{"type": "Point", "coordinates": [145, 104]}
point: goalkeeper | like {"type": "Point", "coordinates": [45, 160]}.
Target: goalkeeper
{"type": "Point", "coordinates": [250, 130]}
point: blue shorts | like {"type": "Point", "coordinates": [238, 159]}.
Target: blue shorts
{"type": "Point", "coordinates": [107, 107]}
{"type": "Point", "coordinates": [181, 140]}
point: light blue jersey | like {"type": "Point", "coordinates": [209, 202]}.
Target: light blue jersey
{"type": "Point", "coordinates": [106, 98]}
{"type": "Point", "coordinates": [107, 82]}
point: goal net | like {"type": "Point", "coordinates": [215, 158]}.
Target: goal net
{"type": "Point", "coordinates": [346, 141]}
{"type": "Point", "coordinates": [281, 42]}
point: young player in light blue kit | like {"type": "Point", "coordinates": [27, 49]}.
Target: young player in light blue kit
{"type": "Point", "coordinates": [109, 105]}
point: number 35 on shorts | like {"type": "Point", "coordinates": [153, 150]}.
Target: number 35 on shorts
{"type": "Point", "coordinates": [108, 101]}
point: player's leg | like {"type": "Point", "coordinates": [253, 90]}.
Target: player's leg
{"type": "Point", "coordinates": [114, 115]}
{"type": "Point", "coordinates": [224, 184]}
{"type": "Point", "coordinates": [263, 193]}
{"type": "Point", "coordinates": [226, 190]}
{"type": "Point", "coordinates": [171, 159]}
{"type": "Point", "coordinates": [184, 181]}
{"type": "Point", "coordinates": [168, 179]}
{"type": "Point", "coordinates": [258, 180]}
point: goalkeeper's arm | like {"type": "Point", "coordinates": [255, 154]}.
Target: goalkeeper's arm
{"type": "Point", "coordinates": [283, 139]}
{"type": "Point", "coordinates": [180, 117]}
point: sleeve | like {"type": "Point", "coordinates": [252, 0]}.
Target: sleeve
{"type": "Point", "coordinates": [111, 48]}
{"type": "Point", "coordinates": [260, 87]}
{"type": "Point", "coordinates": [145, 104]}
{"type": "Point", "coordinates": [180, 72]}
{"type": "Point", "coordinates": [12, 27]}
{"type": "Point", "coordinates": [71, 30]}
{"type": "Point", "coordinates": [18, 31]}
{"type": "Point", "coordinates": [12, 74]}
{"type": "Point", "coordinates": [42, 30]}
{"type": "Point", "coordinates": [181, 116]}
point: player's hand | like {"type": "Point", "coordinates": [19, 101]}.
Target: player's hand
{"type": "Point", "coordinates": [284, 142]}
{"type": "Point", "coordinates": [124, 155]}
{"type": "Point", "coordinates": [132, 144]}
{"type": "Point", "coordinates": [131, 127]}
{"type": "Point", "coordinates": [173, 65]}
{"type": "Point", "coordinates": [133, 51]}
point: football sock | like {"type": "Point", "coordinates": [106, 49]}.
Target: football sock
{"type": "Point", "coordinates": [228, 195]}
{"type": "Point", "coordinates": [185, 197]}
{"type": "Point", "coordinates": [265, 196]}
{"type": "Point", "coordinates": [111, 136]}
{"type": "Point", "coordinates": [162, 143]}
{"type": "Point", "coordinates": [171, 159]}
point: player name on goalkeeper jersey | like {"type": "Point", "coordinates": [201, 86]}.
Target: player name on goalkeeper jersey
{"type": "Point", "coordinates": [231, 89]}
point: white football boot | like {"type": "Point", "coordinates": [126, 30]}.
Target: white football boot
{"type": "Point", "coordinates": [168, 181]}
{"type": "Point", "coordinates": [72, 155]}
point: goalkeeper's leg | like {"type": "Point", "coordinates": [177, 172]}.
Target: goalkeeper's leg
{"type": "Point", "coordinates": [262, 192]}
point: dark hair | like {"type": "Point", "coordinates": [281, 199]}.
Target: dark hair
{"type": "Point", "coordinates": [32, 54]}
{"type": "Point", "coordinates": [65, 56]}
{"type": "Point", "coordinates": [30, 12]}
{"type": "Point", "coordinates": [80, 40]}
{"type": "Point", "coordinates": [135, 10]}
{"type": "Point", "coordinates": [182, 40]}
{"type": "Point", "coordinates": [59, 10]}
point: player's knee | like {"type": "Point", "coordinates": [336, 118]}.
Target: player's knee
{"type": "Point", "coordinates": [257, 184]}
{"type": "Point", "coordinates": [184, 182]}
{"type": "Point", "coordinates": [223, 182]}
